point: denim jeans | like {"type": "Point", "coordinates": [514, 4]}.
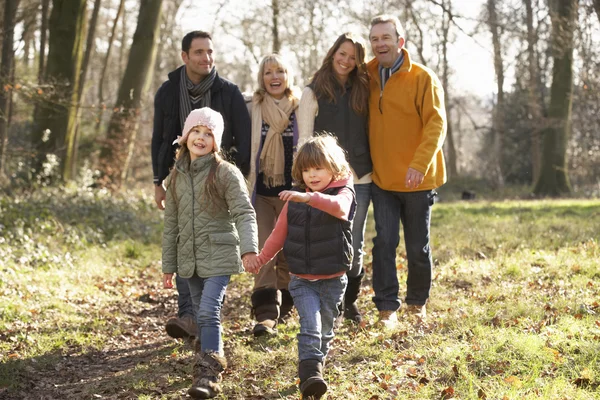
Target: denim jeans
{"type": "Point", "coordinates": [208, 295]}
{"type": "Point", "coordinates": [413, 209]}
{"type": "Point", "coordinates": [317, 303]}
{"type": "Point", "coordinates": [184, 300]}
{"type": "Point", "coordinates": [363, 198]}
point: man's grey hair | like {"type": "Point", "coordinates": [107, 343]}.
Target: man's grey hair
{"type": "Point", "coordinates": [385, 18]}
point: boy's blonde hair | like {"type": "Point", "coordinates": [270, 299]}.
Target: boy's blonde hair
{"type": "Point", "coordinates": [320, 151]}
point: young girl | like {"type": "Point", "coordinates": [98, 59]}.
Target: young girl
{"type": "Point", "coordinates": [314, 230]}
{"type": "Point", "coordinates": [209, 222]}
{"type": "Point", "coordinates": [336, 101]}
{"type": "Point", "coordinates": [274, 140]}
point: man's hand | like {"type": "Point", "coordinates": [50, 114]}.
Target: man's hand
{"type": "Point", "coordinates": [413, 178]}
{"type": "Point", "coordinates": [160, 194]}
{"type": "Point", "coordinates": [168, 281]}
{"type": "Point", "coordinates": [251, 263]}
{"type": "Point", "coordinates": [294, 196]}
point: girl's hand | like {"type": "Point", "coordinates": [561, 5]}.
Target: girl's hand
{"type": "Point", "coordinates": [168, 281]}
{"type": "Point", "coordinates": [292, 195]}
{"type": "Point", "coordinates": [251, 263]}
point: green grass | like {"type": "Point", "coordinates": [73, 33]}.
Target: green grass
{"type": "Point", "coordinates": [513, 312]}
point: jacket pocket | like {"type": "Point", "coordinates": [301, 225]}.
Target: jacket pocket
{"type": "Point", "coordinates": [224, 250]}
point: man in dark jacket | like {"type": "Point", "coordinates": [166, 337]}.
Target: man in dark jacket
{"type": "Point", "coordinates": [194, 85]}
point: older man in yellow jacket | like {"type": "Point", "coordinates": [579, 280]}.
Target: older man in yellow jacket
{"type": "Point", "coordinates": [407, 129]}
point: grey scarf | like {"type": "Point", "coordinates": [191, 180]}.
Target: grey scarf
{"type": "Point", "coordinates": [190, 94]}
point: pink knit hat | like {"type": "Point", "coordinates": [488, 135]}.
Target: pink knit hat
{"type": "Point", "coordinates": [203, 117]}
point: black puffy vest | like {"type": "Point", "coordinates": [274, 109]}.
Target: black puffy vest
{"type": "Point", "coordinates": [318, 243]}
{"type": "Point", "coordinates": [350, 128]}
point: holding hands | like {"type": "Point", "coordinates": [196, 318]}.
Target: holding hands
{"type": "Point", "coordinates": [294, 196]}
{"type": "Point", "coordinates": [251, 263]}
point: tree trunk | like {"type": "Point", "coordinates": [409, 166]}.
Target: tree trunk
{"type": "Point", "coordinates": [57, 112]}
{"type": "Point", "coordinates": [498, 117]}
{"type": "Point", "coordinates": [122, 129]}
{"type": "Point", "coordinates": [28, 37]}
{"type": "Point", "coordinates": [276, 43]}
{"type": "Point", "coordinates": [6, 67]}
{"type": "Point", "coordinates": [73, 145]}
{"type": "Point", "coordinates": [535, 108]}
{"type": "Point", "coordinates": [43, 32]}
{"type": "Point", "coordinates": [554, 179]}
{"type": "Point", "coordinates": [123, 46]}
{"type": "Point", "coordinates": [451, 149]}
{"type": "Point", "coordinates": [111, 39]}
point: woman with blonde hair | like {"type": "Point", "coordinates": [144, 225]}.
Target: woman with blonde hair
{"type": "Point", "coordinates": [273, 143]}
{"type": "Point", "coordinates": [336, 101]}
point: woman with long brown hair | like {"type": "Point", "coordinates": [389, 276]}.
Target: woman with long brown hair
{"type": "Point", "coordinates": [336, 101]}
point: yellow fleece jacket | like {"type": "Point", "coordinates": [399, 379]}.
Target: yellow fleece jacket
{"type": "Point", "coordinates": [407, 126]}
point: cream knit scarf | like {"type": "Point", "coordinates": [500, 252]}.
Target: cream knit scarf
{"type": "Point", "coordinates": [277, 116]}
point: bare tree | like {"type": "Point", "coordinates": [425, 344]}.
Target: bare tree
{"type": "Point", "coordinates": [534, 101]}
{"type": "Point", "coordinates": [6, 67]}
{"type": "Point", "coordinates": [554, 179]}
{"type": "Point", "coordinates": [55, 116]}
{"type": "Point", "coordinates": [73, 144]}
{"type": "Point", "coordinates": [451, 149]}
{"type": "Point", "coordinates": [43, 37]}
{"type": "Point", "coordinates": [100, 83]}
{"type": "Point", "coordinates": [122, 130]}
{"type": "Point", "coordinates": [275, 26]}
{"type": "Point", "coordinates": [498, 118]}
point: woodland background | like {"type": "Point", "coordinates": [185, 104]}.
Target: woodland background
{"type": "Point", "coordinates": [514, 309]}
{"type": "Point", "coordinates": [78, 79]}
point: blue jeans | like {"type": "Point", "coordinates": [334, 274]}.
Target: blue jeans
{"type": "Point", "coordinates": [184, 300]}
{"type": "Point", "coordinates": [208, 295]}
{"type": "Point", "coordinates": [363, 198]}
{"type": "Point", "coordinates": [317, 303]}
{"type": "Point", "coordinates": [413, 209]}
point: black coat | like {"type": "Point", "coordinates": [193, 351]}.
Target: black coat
{"type": "Point", "coordinates": [226, 98]}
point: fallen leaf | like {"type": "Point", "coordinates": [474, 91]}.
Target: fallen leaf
{"type": "Point", "coordinates": [513, 381]}
{"type": "Point", "coordinates": [448, 393]}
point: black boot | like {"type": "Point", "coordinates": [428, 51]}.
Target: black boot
{"type": "Point", "coordinates": [265, 307]}
{"type": "Point", "coordinates": [312, 384]}
{"type": "Point", "coordinates": [208, 368]}
{"type": "Point", "coordinates": [287, 304]}
{"type": "Point", "coordinates": [351, 311]}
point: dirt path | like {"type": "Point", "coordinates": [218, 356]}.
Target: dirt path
{"type": "Point", "coordinates": [141, 360]}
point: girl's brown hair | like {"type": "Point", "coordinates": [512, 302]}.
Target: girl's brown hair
{"type": "Point", "coordinates": [325, 82]}
{"type": "Point", "coordinates": [320, 151]}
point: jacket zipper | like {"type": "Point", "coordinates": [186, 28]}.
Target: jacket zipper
{"type": "Point", "coordinates": [307, 230]}
{"type": "Point", "coordinates": [193, 233]}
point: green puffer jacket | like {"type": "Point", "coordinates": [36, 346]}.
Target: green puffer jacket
{"type": "Point", "coordinates": [207, 238]}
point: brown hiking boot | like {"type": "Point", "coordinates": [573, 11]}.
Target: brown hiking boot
{"type": "Point", "coordinates": [417, 311]}
{"type": "Point", "coordinates": [182, 328]}
{"type": "Point", "coordinates": [208, 368]}
{"type": "Point", "coordinates": [312, 385]}
{"type": "Point", "coordinates": [388, 319]}
{"type": "Point", "coordinates": [265, 307]}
